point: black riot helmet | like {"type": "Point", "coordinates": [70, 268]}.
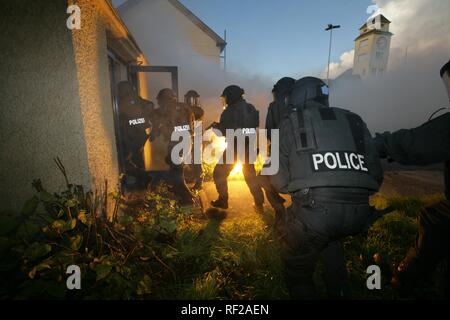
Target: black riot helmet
{"type": "Point", "coordinates": [166, 96]}
{"type": "Point", "coordinates": [232, 94]}
{"type": "Point", "coordinates": [126, 91]}
{"type": "Point", "coordinates": [308, 89]}
{"type": "Point", "coordinates": [192, 98]}
{"type": "Point", "coordinates": [282, 88]}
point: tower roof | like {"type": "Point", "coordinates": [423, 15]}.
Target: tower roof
{"type": "Point", "coordinates": [383, 20]}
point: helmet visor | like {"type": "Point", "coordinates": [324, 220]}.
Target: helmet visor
{"type": "Point", "coordinates": [193, 101]}
{"type": "Point", "coordinates": [325, 90]}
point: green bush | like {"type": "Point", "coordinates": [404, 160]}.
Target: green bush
{"type": "Point", "coordinates": [157, 250]}
{"type": "Point", "coordinates": [120, 256]}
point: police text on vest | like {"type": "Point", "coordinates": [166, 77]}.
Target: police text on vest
{"type": "Point", "coordinates": [248, 131]}
{"type": "Point", "coordinates": [181, 128]}
{"type": "Point", "coordinates": [338, 161]}
{"type": "Point", "coordinates": [137, 121]}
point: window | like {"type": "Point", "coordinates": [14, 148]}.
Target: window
{"type": "Point", "coordinates": [379, 55]}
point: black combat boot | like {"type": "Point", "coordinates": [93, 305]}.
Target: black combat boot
{"type": "Point", "coordinates": [221, 203]}
{"type": "Point", "coordinates": [259, 208]}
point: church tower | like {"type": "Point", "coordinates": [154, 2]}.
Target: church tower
{"type": "Point", "coordinates": [372, 47]}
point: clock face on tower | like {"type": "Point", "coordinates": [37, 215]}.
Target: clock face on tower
{"type": "Point", "coordinates": [381, 43]}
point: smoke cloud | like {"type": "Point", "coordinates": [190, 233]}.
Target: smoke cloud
{"type": "Point", "coordinates": [411, 90]}
{"type": "Point", "coordinates": [403, 97]}
{"type": "Point", "coordinates": [173, 43]}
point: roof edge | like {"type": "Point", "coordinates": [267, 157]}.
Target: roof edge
{"type": "Point", "coordinates": [220, 42]}
{"type": "Point", "coordinates": [119, 30]}
{"type": "Point", "coordinates": [383, 19]}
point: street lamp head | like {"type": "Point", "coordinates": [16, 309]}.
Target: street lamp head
{"type": "Point", "coordinates": [330, 26]}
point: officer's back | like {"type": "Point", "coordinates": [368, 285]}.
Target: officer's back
{"type": "Point", "coordinates": [135, 113]}
{"type": "Point", "coordinates": [329, 165]}
{"type": "Point", "coordinates": [326, 147]}
{"type": "Point", "coordinates": [239, 114]}
{"type": "Point", "coordinates": [172, 115]}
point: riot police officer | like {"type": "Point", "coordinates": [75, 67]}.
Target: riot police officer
{"type": "Point", "coordinates": [275, 113]}
{"type": "Point", "coordinates": [426, 144]}
{"type": "Point", "coordinates": [278, 108]}
{"type": "Point", "coordinates": [329, 165]}
{"type": "Point", "coordinates": [174, 116]}
{"type": "Point", "coordinates": [192, 98]}
{"type": "Point", "coordinates": [135, 116]}
{"type": "Point", "coordinates": [238, 115]}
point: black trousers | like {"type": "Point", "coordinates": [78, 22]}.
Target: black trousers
{"type": "Point", "coordinates": [178, 184]}
{"type": "Point", "coordinates": [220, 176]}
{"type": "Point", "coordinates": [431, 248]}
{"type": "Point", "coordinates": [272, 195]}
{"type": "Point", "coordinates": [135, 176]}
{"type": "Point", "coordinates": [312, 230]}
{"type": "Point", "coordinates": [197, 170]}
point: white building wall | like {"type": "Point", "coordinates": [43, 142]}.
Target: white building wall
{"type": "Point", "coordinates": [168, 37]}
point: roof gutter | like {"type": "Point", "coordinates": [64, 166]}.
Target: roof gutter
{"type": "Point", "coordinates": [119, 37]}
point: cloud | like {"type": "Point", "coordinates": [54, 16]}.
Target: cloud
{"type": "Point", "coordinates": [420, 27]}
{"type": "Point", "coordinates": [337, 68]}
{"type": "Point", "coordinates": [411, 89]}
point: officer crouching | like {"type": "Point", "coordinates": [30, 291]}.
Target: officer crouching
{"type": "Point", "coordinates": [328, 163]}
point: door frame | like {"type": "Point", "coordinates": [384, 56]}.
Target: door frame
{"type": "Point", "coordinates": [173, 70]}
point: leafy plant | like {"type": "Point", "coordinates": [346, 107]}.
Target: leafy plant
{"type": "Point", "coordinates": [120, 255]}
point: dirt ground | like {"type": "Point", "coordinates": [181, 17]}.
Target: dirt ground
{"type": "Point", "coordinates": [412, 183]}
{"type": "Point", "coordinates": [240, 200]}
{"type": "Point", "coordinates": [396, 183]}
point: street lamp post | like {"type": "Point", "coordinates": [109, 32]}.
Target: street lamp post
{"type": "Point", "coordinates": [330, 28]}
